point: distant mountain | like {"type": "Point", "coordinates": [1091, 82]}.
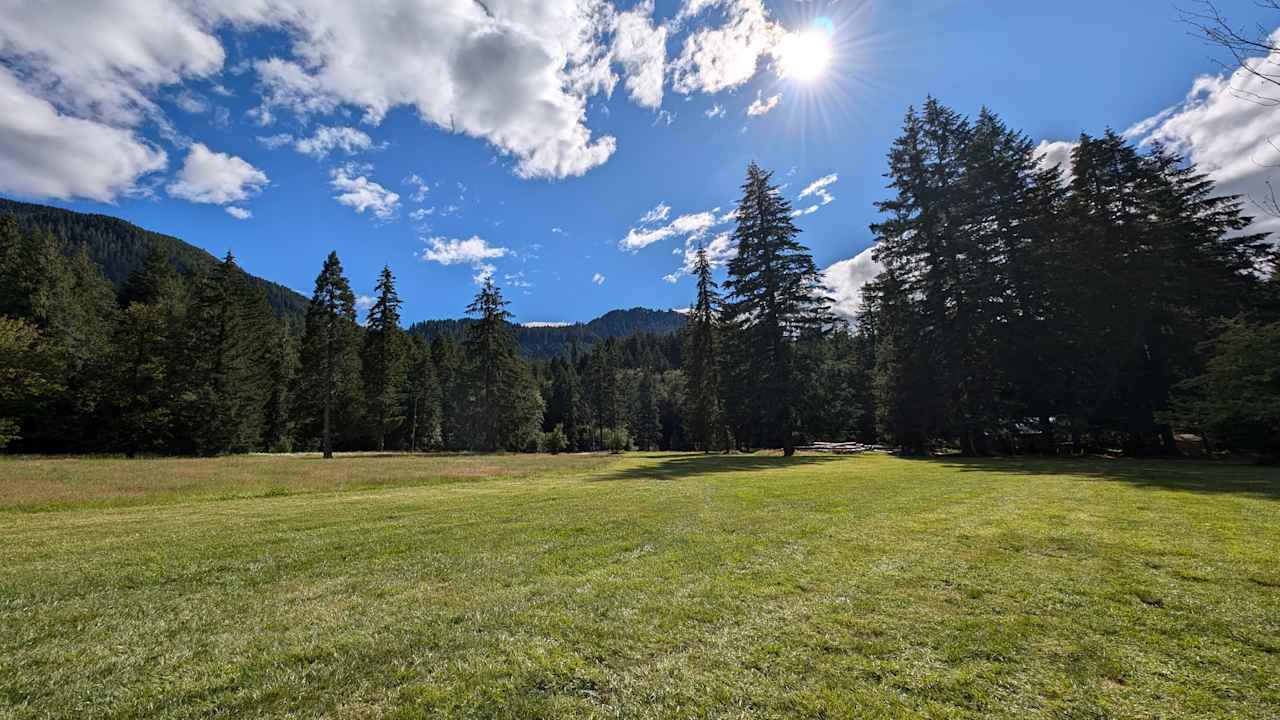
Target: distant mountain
{"type": "Point", "coordinates": [120, 247]}
{"type": "Point", "coordinates": [547, 342]}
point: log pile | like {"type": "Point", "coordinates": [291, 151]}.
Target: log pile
{"type": "Point", "coordinates": [844, 448]}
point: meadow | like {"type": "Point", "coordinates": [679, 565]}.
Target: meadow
{"type": "Point", "coordinates": [638, 586]}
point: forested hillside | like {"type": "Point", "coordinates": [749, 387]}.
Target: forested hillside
{"type": "Point", "coordinates": [120, 248]}
{"type": "Point", "coordinates": [544, 343]}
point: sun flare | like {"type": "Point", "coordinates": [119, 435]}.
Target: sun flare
{"type": "Point", "coordinates": [805, 56]}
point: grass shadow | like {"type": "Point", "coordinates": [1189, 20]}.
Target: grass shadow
{"type": "Point", "coordinates": [680, 467]}
{"type": "Point", "coordinates": [1196, 476]}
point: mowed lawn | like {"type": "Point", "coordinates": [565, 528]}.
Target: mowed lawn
{"type": "Point", "coordinates": [638, 586]}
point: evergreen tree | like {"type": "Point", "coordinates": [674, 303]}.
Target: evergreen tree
{"type": "Point", "coordinates": [225, 385]}
{"type": "Point", "coordinates": [446, 356]}
{"type": "Point", "coordinates": [773, 300]}
{"type": "Point", "coordinates": [703, 411]}
{"type": "Point", "coordinates": [278, 423]}
{"type": "Point", "coordinates": [384, 360]}
{"type": "Point", "coordinates": [330, 368]}
{"type": "Point", "coordinates": [505, 403]}
{"type": "Point", "coordinates": [646, 424]}
{"type": "Point", "coordinates": [424, 394]}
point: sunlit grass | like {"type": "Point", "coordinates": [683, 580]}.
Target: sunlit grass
{"type": "Point", "coordinates": [641, 586]}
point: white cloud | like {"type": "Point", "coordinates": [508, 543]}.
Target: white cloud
{"type": "Point", "coordinates": [420, 186]}
{"type": "Point", "coordinates": [692, 226]}
{"type": "Point", "coordinates": [452, 251]}
{"type": "Point", "coordinates": [723, 57]}
{"type": "Point", "coordinates": [1227, 132]}
{"type": "Point", "coordinates": [818, 188]}
{"type": "Point", "coordinates": [656, 215]}
{"type": "Point", "coordinates": [598, 279]}
{"type": "Point", "coordinates": [357, 191]}
{"type": "Point", "coordinates": [515, 74]}
{"type": "Point", "coordinates": [762, 105]}
{"type": "Point", "coordinates": [805, 211]}
{"type": "Point", "coordinates": [484, 271]}
{"type": "Point", "coordinates": [213, 177]}
{"type": "Point", "coordinates": [238, 213]}
{"type": "Point", "coordinates": [363, 303]}
{"type": "Point", "coordinates": [103, 59]}
{"type": "Point", "coordinates": [641, 49]}
{"type": "Point", "coordinates": [420, 214]}
{"type": "Point", "coordinates": [191, 102]}
{"type": "Point", "coordinates": [845, 280]}
{"type": "Point", "coordinates": [46, 154]}
{"type": "Point", "coordinates": [517, 279]}
{"type": "Point", "coordinates": [327, 139]}
{"type": "Point", "coordinates": [720, 251]}
{"type": "Point", "coordinates": [271, 142]}
{"type": "Point", "coordinates": [715, 111]}
{"type": "Point", "coordinates": [1056, 153]}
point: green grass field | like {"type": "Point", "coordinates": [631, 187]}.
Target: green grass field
{"type": "Point", "coordinates": [638, 586]}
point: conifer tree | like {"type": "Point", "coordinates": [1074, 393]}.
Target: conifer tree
{"type": "Point", "coordinates": [491, 359]}
{"type": "Point", "coordinates": [702, 363]}
{"type": "Point", "coordinates": [773, 298]}
{"type": "Point", "coordinates": [424, 393]}
{"type": "Point", "coordinates": [330, 368]}
{"type": "Point", "coordinates": [646, 424]}
{"type": "Point", "coordinates": [277, 423]}
{"type": "Point", "coordinates": [384, 360]}
{"type": "Point", "coordinates": [224, 389]}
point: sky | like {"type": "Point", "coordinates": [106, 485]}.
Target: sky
{"type": "Point", "coordinates": [576, 151]}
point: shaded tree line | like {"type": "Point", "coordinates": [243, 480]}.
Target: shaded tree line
{"type": "Point", "coordinates": [1105, 305]}
{"type": "Point", "coordinates": [1024, 308]}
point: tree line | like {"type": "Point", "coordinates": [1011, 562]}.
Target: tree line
{"type": "Point", "coordinates": [1105, 305]}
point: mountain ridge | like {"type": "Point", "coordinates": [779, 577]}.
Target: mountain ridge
{"type": "Point", "coordinates": [120, 247]}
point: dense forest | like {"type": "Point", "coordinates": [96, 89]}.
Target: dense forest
{"type": "Point", "coordinates": [1107, 306]}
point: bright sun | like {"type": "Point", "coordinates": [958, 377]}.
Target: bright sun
{"type": "Point", "coordinates": [804, 56]}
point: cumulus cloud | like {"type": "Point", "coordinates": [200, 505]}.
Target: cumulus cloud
{"type": "Point", "coordinates": [762, 105]}
{"type": "Point", "coordinates": [715, 111]}
{"type": "Point", "coordinates": [44, 153]}
{"type": "Point", "coordinates": [358, 192]}
{"type": "Point", "coordinates": [327, 139]}
{"type": "Point", "coordinates": [213, 177]}
{"type": "Point", "coordinates": [725, 56]}
{"type": "Point", "coordinates": [1056, 153]}
{"type": "Point", "coordinates": [515, 74]}
{"type": "Point", "coordinates": [238, 213]}
{"type": "Point", "coordinates": [1226, 132]}
{"type": "Point", "coordinates": [598, 279]}
{"type": "Point", "coordinates": [104, 59]}
{"type": "Point", "coordinates": [641, 49]}
{"type": "Point", "coordinates": [453, 251]}
{"type": "Point", "coordinates": [845, 280]}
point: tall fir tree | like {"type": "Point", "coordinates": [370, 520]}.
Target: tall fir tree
{"type": "Point", "coordinates": [703, 410]}
{"type": "Point", "coordinates": [330, 368]}
{"type": "Point", "coordinates": [423, 396]}
{"type": "Point", "coordinates": [384, 360]}
{"type": "Point", "coordinates": [773, 300]}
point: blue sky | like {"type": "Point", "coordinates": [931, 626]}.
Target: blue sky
{"type": "Point", "coordinates": [530, 139]}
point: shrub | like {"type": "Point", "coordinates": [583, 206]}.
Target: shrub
{"type": "Point", "coordinates": [617, 440]}
{"type": "Point", "coordinates": [555, 441]}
